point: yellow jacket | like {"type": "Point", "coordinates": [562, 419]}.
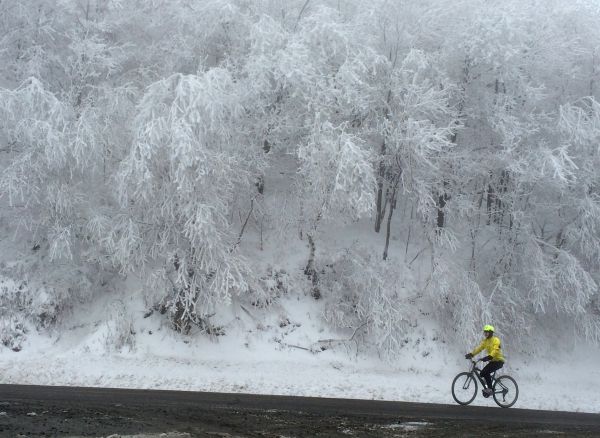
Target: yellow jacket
{"type": "Point", "coordinates": [493, 347]}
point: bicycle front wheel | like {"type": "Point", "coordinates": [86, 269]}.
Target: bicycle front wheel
{"type": "Point", "coordinates": [464, 388]}
{"type": "Point", "coordinates": [506, 391]}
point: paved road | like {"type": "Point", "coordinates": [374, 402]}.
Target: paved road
{"type": "Point", "coordinates": [69, 412]}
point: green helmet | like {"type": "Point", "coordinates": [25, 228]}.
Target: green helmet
{"type": "Point", "coordinates": [488, 328]}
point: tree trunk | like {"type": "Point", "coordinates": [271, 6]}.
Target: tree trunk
{"type": "Point", "coordinates": [392, 201]}
{"type": "Point", "coordinates": [388, 226]}
{"type": "Point", "coordinates": [442, 199]}
{"type": "Point", "coordinates": [380, 209]}
{"type": "Point", "coordinates": [441, 216]}
{"type": "Point", "coordinates": [310, 270]}
{"type": "Point", "coordinates": [490, 203]}
{"type": "Point", "coordinates": [381, 206]}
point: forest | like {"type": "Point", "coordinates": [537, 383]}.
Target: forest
{"type": "Point", "coordinates": [182, 142]}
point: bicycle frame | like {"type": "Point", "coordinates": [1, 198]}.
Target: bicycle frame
{"type": "Point", "coordinates": [477, 372]}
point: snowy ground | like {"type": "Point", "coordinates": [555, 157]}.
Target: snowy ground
{"type": "Point", "coordinates": [261, 361]}
{"type": "Point", "coordinates": [292, 373]}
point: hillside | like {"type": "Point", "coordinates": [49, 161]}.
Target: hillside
{"type": "Point", "coordinates": [234, 189]}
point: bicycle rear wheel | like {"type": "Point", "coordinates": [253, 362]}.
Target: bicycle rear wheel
{"type": "Point", "coordinates": [506, 391]}
{"type": "Point", "coordinates": [464, 388]}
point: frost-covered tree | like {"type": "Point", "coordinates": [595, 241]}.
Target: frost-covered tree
{"type": "Point", "coordinates": [57, 137]}
{"type": "Point", "coordinates": [30, 41]}
{"type": "Point", "coordinates": [52, 155]}
{"type": "Point", "coordinates": [514, 171]}
{"type": "Point", "coordinates": [47, 190]}
{"type": "Point", "coordinates": [186, 164]}
{"type": "Point", "coordinates": [313, 80]}
{"type": "Point", "coordinates": [370, 299]}
{"type": "Point", "coordinates": [416, 138]}
{"type": "Point", "coordinates": [148, 135]}
{"type": "Point", "coordinates": [337, 178]}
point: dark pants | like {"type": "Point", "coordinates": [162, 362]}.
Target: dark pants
{"type": "Point", "coordinates": [489, 369]}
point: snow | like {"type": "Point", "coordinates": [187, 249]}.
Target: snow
{"type": "Point", "coordinates": [113, 170]}
{"type": "Point", "coordinates": [271, 352]}
{"type": "Point", "coordinates": [265, 358]}
{"type": "Point", "coordinates": [408, 426]}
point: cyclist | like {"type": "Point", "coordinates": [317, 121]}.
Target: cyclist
{"type": "Point", "coordinates": [495, 358]}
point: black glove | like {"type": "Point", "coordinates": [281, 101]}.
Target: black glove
{"type": "Point", "coordinates": [468, 356]}
{"type": "Point", "coordinates": [487, 358]}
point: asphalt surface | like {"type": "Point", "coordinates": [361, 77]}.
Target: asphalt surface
{"type": "Point", "coordinates": [76, 412]}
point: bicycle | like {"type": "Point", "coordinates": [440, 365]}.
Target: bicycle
{"type": "Point", "coordinates": [464, 387]}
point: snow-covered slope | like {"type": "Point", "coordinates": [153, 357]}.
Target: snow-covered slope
{"type": "Point", "coordinates": [273, 356]}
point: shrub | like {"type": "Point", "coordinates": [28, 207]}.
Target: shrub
{"type": "Point", "coordinates": [369, 296]}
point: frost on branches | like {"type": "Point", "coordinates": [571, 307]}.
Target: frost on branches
{"type": "Point", "coordinates": [47, 185]}
{"type": "Point", "coordinates": [337, 174]}
{"type": "Point", "coordinates": [168, 140]}
{"type": "Point", "coordinates": [176, 186]}
{"type": "Point", "coordinates": [371, 301]}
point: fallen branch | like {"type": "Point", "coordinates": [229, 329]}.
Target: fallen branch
{"type": "Point", "coordinates": [332, 342]}
{"type": "Point", "coordinates": [283, 344]}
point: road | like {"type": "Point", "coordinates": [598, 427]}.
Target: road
{"type": "Point", "coordinates": [34, 411]}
